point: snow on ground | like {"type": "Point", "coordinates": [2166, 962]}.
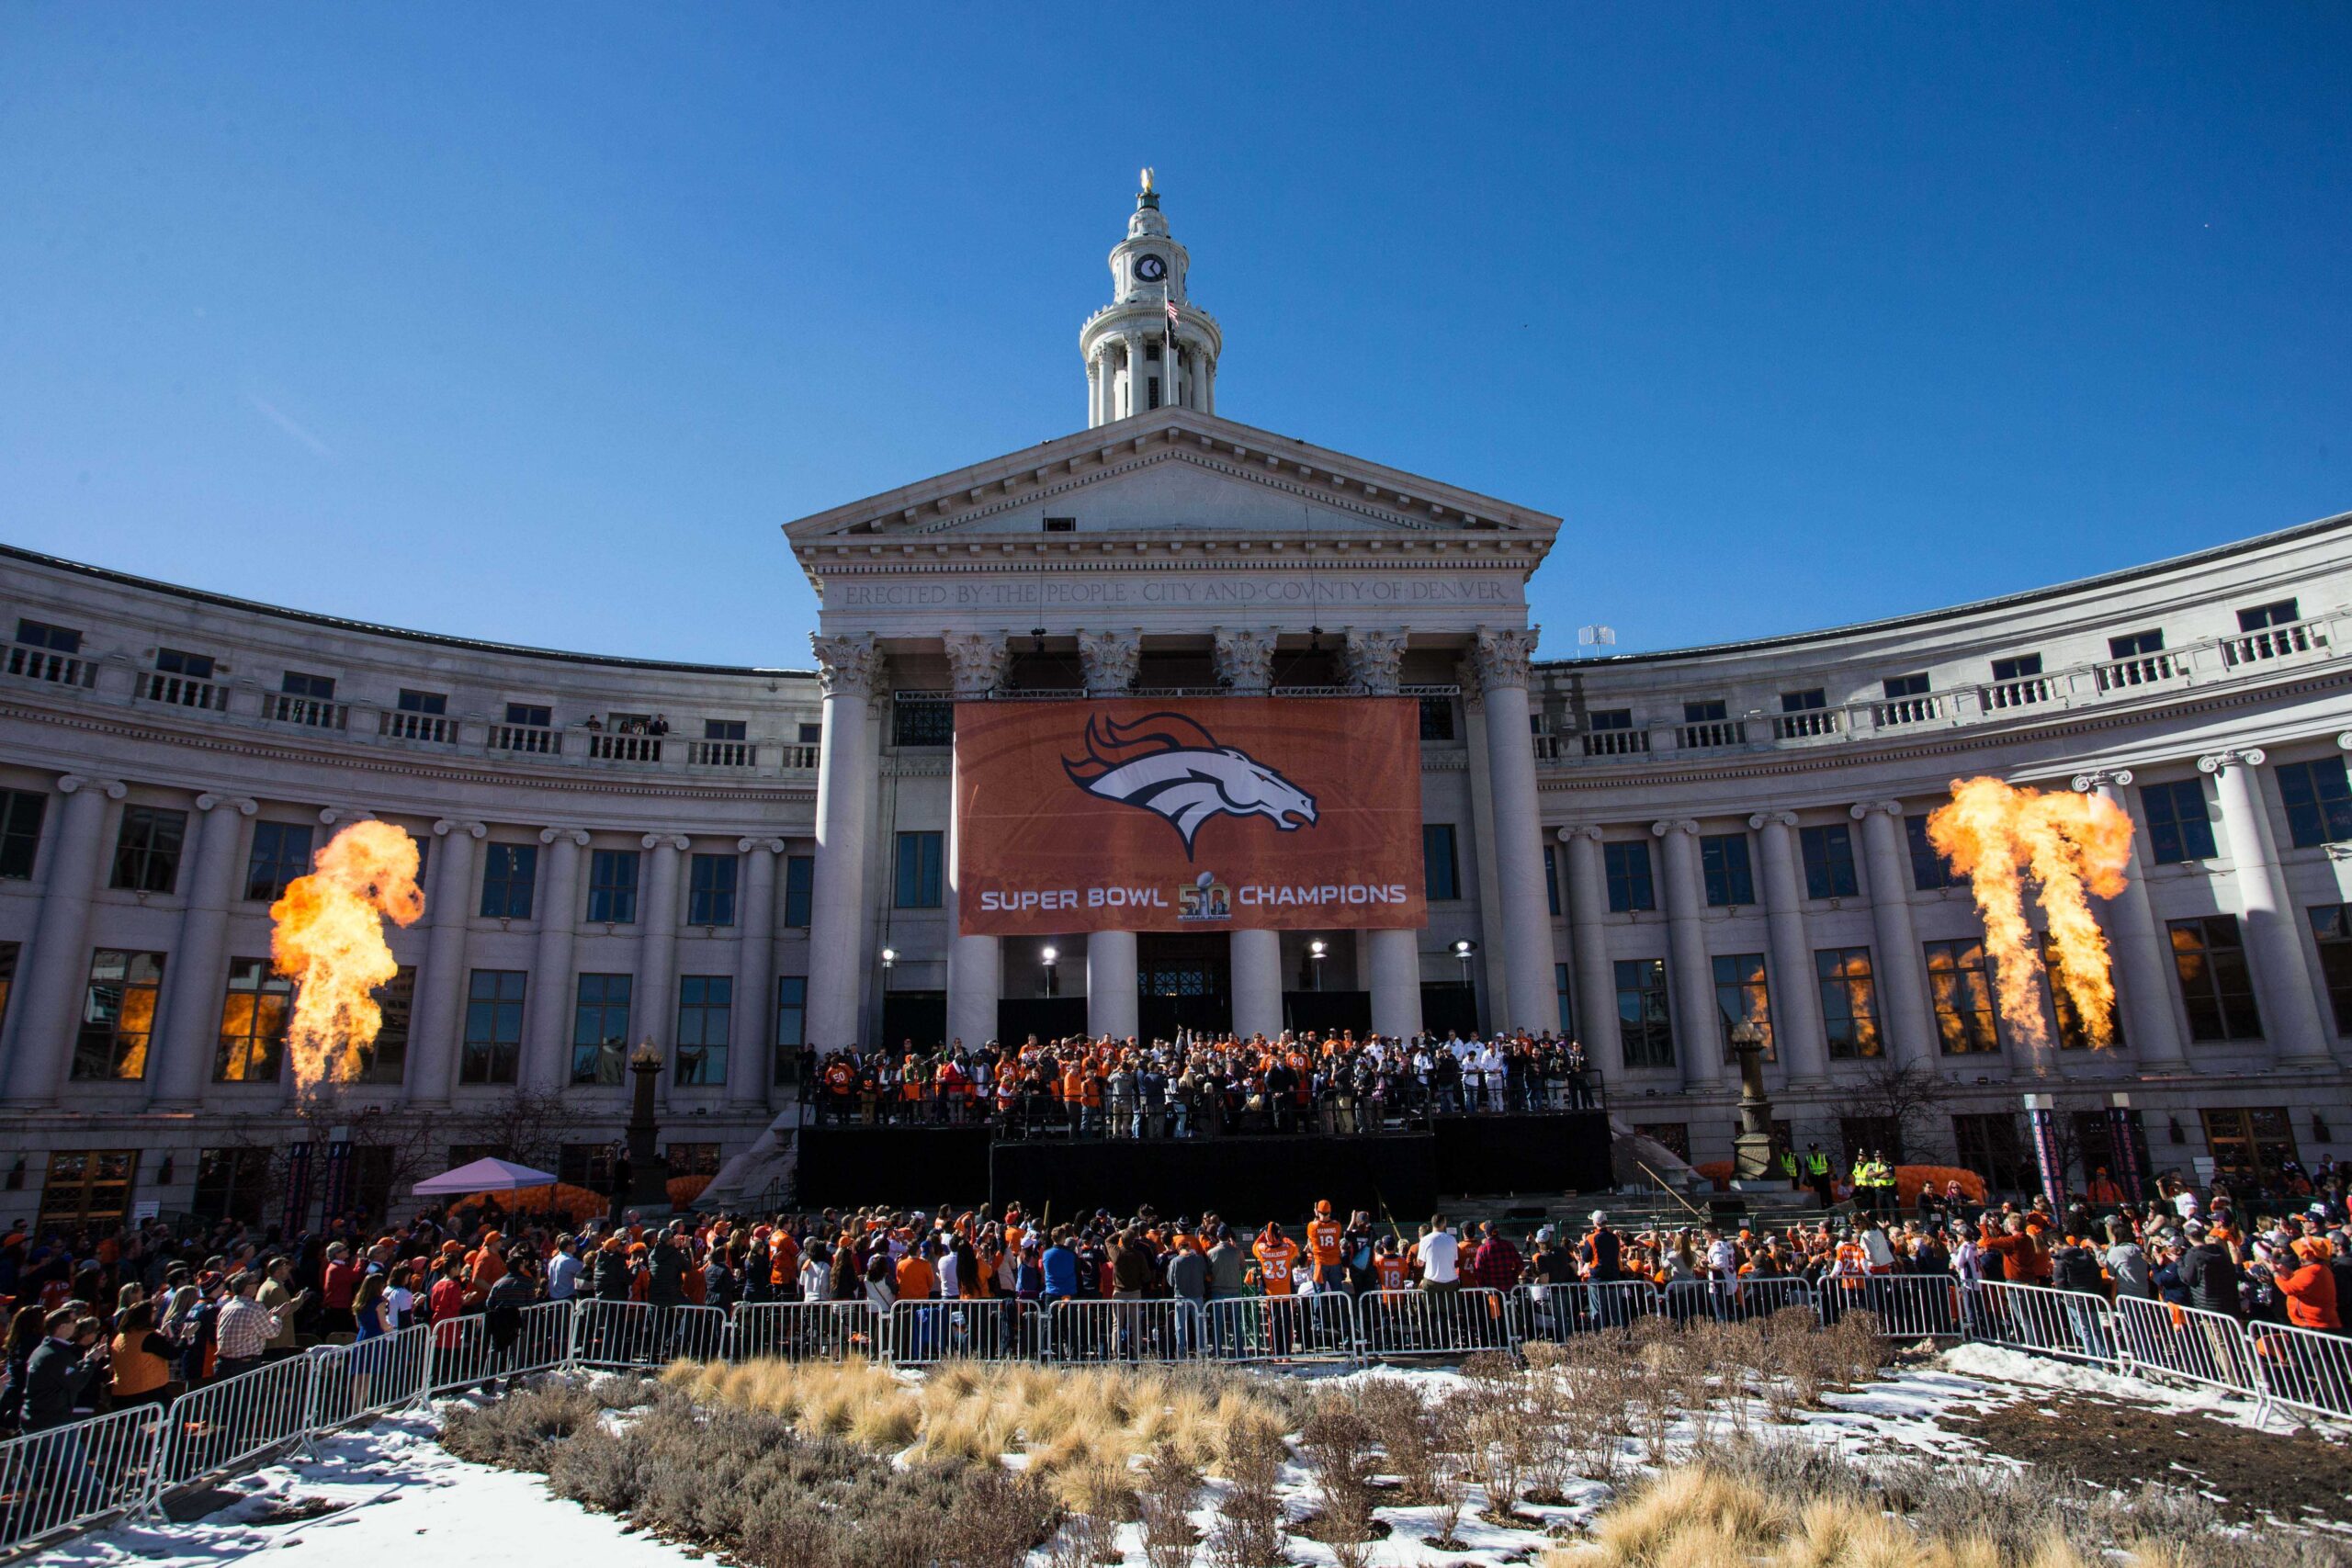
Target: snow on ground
{"type": "Point", "coordinates": [392, 1491]}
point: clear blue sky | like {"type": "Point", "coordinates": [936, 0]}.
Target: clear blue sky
{"type": "Point", "coordinates": [535, 324]}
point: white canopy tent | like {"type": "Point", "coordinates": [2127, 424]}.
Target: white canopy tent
{"type": "Point", "coordinates": [483, 1176]}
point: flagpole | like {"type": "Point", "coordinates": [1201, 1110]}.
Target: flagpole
{"type": "Point", "coordinates": [1168, 336]}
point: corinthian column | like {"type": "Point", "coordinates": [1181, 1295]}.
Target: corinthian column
{"type": "Point", "coordinates": [657, 948]}
{"type": "Point", "coordinates": [547, 1065]}
{"type": "Point", "coordinates": [1796, 1004]}
{"type": "Point", "coordinates": [1686, 935]}
{"type": "Point", "coordinates": [192, 1019]}
{"type": "Point", "coordinates": [1375, 659]}
{"type": "Point", "coordinates": [1110, 660]}
{"type": "Point", "coordinates": [1245, 659]}
{"type": "Point", "coordinates": [1596, 988]}
{"type": "Point", "coordinates": [50, 998]}
{"type": "Point", "coordinates": [1501, 655]}
{"type": "Point", "coordinates": [1902, 967]}
{"type": "Point", "coordinates": [2274, 947]}
{"type": "Point", "coordinates": [432, 1035]}
{"type": "Point", "coordinates": [849, 672]}
{"type": "Point", "coordinates": [749, 1071]}
{"type": "Point", "coordinates": [974, 963]}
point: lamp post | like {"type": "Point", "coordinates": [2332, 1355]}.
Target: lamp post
{"type": "Point", "coordinates": [1315, 952]}
{"type": "Point", "coordinates": [1464, 950]}
{"type": "Point", "coordinates": [1050, 956]}
{"type": "Point", "coordinates": [647, 1186]}
{"type": "Point", "coordinates": [1752, 1149]}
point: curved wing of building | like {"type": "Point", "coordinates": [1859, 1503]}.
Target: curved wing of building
{"type": "Point", "coordinates": [743, 866]}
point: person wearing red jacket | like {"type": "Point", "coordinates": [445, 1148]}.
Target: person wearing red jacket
{"type": "Point", "coordinates": [2310, 1290]}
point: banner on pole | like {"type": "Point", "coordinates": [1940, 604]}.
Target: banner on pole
{"type": "Point", "coordinates": [1223, 814]}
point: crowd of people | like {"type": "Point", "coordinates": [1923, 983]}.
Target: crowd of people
{"type": "Point", "coordinates": [100, 1321]}
{"type": "Point", "coordinates": [1198, 1086]}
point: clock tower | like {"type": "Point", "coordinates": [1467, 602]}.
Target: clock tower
{"type": "Point", "coordinates": [1135, 359]}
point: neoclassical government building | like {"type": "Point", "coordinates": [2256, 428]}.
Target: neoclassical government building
{"type": "Point", "coordinates": [734, 864]}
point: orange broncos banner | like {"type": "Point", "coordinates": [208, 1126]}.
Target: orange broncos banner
{"type": "Point", "coordinates": [1228, 813]}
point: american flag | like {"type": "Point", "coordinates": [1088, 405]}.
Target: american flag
{"type": "Point", "coordinates": [1170, 306]}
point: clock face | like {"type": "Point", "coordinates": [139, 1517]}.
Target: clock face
{"type": "Point", "coordinates": [1151, 269]}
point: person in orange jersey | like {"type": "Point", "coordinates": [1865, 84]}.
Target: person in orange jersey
{"type": "Point", "coordinates": [1326, 1240]}
{"type": "Point", "coordinates": [1277, 1255]}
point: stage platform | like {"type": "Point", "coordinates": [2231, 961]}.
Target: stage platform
{"type": "Point", "coordinates": [1244, 1177]}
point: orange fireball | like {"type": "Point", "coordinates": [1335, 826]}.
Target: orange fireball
{"type": "Point", "coordinates": [329, 939]}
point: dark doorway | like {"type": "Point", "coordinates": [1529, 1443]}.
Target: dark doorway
{"type": "Point", "coordinates": [1450, 1009]}
{"type": "Point", "coordinates": [1047, 1017]}
{"type": "Point", "coordinates": [1329, 1012]}
{"type": "Point", "coordinates": [1184, 981]}
{"type": "Point", "coordinates": [918, 1016]}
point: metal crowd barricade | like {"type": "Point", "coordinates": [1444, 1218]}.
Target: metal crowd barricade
{"type": "Point", "coordinates": [1907, 1306]}
{"type": "Point", "coordinates": [214, 1429]}
{"type": "Point", "coordinates": [1687, 1300]}
{"type": "Point", "coordinates": [2190, 1343]}
{"type": "Point", "coordinates": [472, 1350]}
{"type": "Point", "coordinates": [1149, 1330]}
{"type": "Point", "coordinates": [623, 1334]}
{"type": "Point", "coordinates": [1761, 1296]}
{"type": "Point", "coordinates": [2303, 1368]}
{"type": "Point", "coordinates": [1318, 1325]}
{"type": "Point", "coordinates": [1433, 1322]}
{"type": "Point", "coordinates": [2074, 1325]}
{"type": "Point", "coordinates": [807, 1331]}
{"type": "Point", "coordinates": [57, 1480]}
{"type": "Point", "coordinates": [370, 1377]}
{"type": "Point", "coordinates": [922, 1332]}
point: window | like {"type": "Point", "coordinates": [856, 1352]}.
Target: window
{"type": "Point", "coordinates": [612, 886]}
{"type": "Point", "coordinates": [1561, 995]}
{"type": "Point", "coordinates": [232, 1184]}
{"type": "Point", "coordinates": [710, 891]}
{"type": "Point", "coordinates": [1989, 1144]}
{"type": "Point", "coordinates": [1849, 1001]}
{"type": "Point", "coordinates": [691, 1159]}
{"type": "Point", "coordinates": [1803, 701]}
{"type": "Point", "coordinates": [1900, 686]}
{"type": "Point", "coordinates": [1710, 712]}
{"type": "Point", "coordinates": [791, 1024]}
{"type": "Point", "coordinates": [2136, 645]}
{"type": "Point", "coordinates": [1929, 870]}
{"type": "Point", "coordinates": [723, 730]}
{"type": "Point", "coordinates": [1960, 984]}
{"type": "Point", "coordinates": [281, 852]}
{"type": "Point", "coordinates": [386, 1060]}
{"type": "Point", "coordinates": [1441, 871]}
{"type": "Point", "coordinates": [2250, 1145]}
{"type": "Point", "coordinates": [493, 1043]}
{"type": "Point", "coordinates": [1551, 879]}
{"type": "Point", "coordinates": [1610, 719]}
{"type": "Point", "coordinates": [600, 1028]}
{"type": "Point", "coordinates": [507, 872]}
{"type": "Point", "coordinates": [194, 666]}
{"type": "Point", "coordinates": [2277, 613]}
{"type": "Point", "coordinates": [1742, 997]}
{"type": "Point", "coordinates": [1723, 864]}
{"type": "Point", "coordinates": [529, 715]}
{"type": "Point", "coordinates": [812, 734]}
{"type": "Point", "coordinates": [585, 1165]}
{"type": "Point", "coordinates": [2215, 985]}
{"type": "Point", "coordinates": [57, 639]}
{"type": "Point", "coordinates": [423, 702]}
{"type": "Point", "coordinates": [20, 814]}
{"type": "Point", "coordinates": [2073, 1031]}
{"type": "Point", "coordinates": [705, 1007]}
{"type": "Point", "coordinates": [1828, 854]}
{"type": "Point", "coordinates": [1437, 719]}
{"type": "Point", "coordinates": [920, 885]}
{"type": "Point", "coordinates": [1062, 526]}
{"type": "Point", "coordinates": [922, 721]}
{"type": "Point", "coordinates": [147, 849]}
{"type": "Point", "coordinates": [1644, 1028]}
{"type": "Point", "coordinates": [1627, 866]}
{"type": "Point", "coordinates": [253, 1023]}
{"type": "Point", "coordinates": [2331, 928]}
{"type": "Point", "coordinates": [2019, 667]}
{"type": "Point", "coordinates": [88, 1187]}
{"type": "Point", "coordinates": [8, 954]}
{"type": "Point", "coordinates": [2318, 801]}
{"type": "Point", "coordinates": [318, 688]}
{"type": "Point", "coordinates": [800, 888]}
{"type": "Point", "coordinates": [117, 1014]}
{"type": "Point", "coordinates": [2178, 829]}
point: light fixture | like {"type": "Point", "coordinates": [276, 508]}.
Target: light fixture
{"type": "Point", "coordinates": [1049, 956]}
{"type": "Point", "coordinates": [1315, 952]}
{"type": "Point", "coordinates": [890, 956]}
{"type": "Point", "coordinates": [1463, 950]}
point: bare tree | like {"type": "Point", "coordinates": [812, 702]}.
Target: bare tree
{"type": "Point", "coordinates": [1907, 1100]}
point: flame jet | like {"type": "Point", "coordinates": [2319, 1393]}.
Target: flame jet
{"type": "Point", "coordinates": [2069, 846]}
{"type": "Point", "coordinates": [329, 939]}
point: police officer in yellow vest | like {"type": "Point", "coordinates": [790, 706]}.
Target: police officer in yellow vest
{"type": "Point", "coordinates": [1817, 1173]}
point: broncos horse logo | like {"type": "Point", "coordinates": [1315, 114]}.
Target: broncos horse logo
{"type": "Point", "coordinates": [1166, 763]}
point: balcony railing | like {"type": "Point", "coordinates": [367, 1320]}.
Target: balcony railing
{"type": "Point", "coordinates": [2141, 669]}
{"type": "Point", "coordinates": [607, 747]}
{"type": "Point", "coordinates": [1708, 734]}
{"type": "Point", "coordinates": [181, 691]}
{"type": "Point", "coordinates": [2273, 642]}
{"type": "Point", "coordinates": [532, 739]}
{"type": "Point", "coordinates": [722, 754]}
{"type": "Point", "coordinates": [1616, 742]}
{"type": "Point", "coordinates": [312, 712]}
{"type": "Point", "coordinates": [1805, 724]}
{"type": "Point", "coordinates": [47, 664]}
{"type": "Point", "coordinates": [399, 724]}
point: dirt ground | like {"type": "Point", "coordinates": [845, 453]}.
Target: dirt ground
{"type": "Point", "coordinates": [2122, 1445]}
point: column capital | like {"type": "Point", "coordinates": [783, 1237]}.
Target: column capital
{"type": "Point", "coordinates": [1674, 825]}
{"type": "Point", "coordinates": [847, 666]}
{"type": "Point", "coordinates": [1581, 830]}
{"type": "Point", "coordinates": [2344, 741]}
{"type": "Point", "coordinates": [1465, 675]}
{"type": "Point", "coordinates": [773, 846]}
{"type": "Point", "coordinates": [579, 836]}
{"type": "Point", "coordinates": [1374, 659]}
{"type": "Point", "coordinates": [976, 661]}
{"type": "Point", "coordinates": [1864, 810]}
{"type": "Point", "coordinates": [449, 825]}
{"type": "Point", "coordinates": [1244, 658]}
{"type": "Point", "coordinates": [1110, 659]}
{"type": "Point", "coordinates": [331, 815]}
{"type": "Point", "coordinates": [1500, 655]}
{"type": "Point", "coordinates": [2219, 761]}
{"type": "Point", "coordinates": [113, 789]}
{"type": "Point", "coordinates": [245, 805]}
{"type": "Point", "coordinates": [1773, 819]}
{"type": "Point", "coordinates": [2099, 777]}
{"type": "Point", "coordinates": [657, 840]}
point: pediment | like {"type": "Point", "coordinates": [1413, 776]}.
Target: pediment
{"type": "Point", "coordinates": [1171, 474]}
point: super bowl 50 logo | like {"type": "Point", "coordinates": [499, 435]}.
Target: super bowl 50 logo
{"type": "Point", "coordinates": [1204, 898]}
